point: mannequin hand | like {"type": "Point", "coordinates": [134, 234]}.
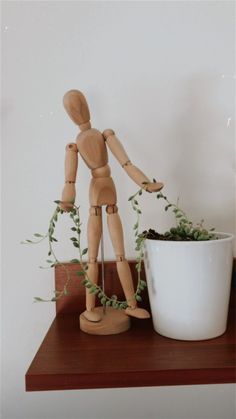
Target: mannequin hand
{"type": "Point", "coordinates": [68, 197]}
{"type": "Point", "coordinates": [154, 186]}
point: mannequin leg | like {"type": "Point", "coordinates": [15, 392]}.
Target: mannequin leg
{"type": "Point", "coordinates": [123, 269]}
{"type": "Point", "coordinates": [94, 231]}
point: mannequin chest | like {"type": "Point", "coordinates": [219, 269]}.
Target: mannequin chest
{"type": "Point", "coordinates": [92, 148]}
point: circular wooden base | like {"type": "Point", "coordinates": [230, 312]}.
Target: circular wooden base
{"type": "Point", "coordinates": [112, 322]}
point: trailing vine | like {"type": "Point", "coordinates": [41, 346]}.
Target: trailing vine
{"type": "Point", "coordinates": [139, 240]}
{"type": "Point", "coordinates": [184, 231]}
{"type": "Point", "coordinates": [82, 273]}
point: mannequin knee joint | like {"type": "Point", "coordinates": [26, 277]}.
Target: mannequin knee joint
{"type": "Point", "coordinates": [92, 260]}
{"type": "Point", "coordinates": [96, 210]}
{"type": "Point", "coordinates": [111, 209]}
{"type": "Point", "coordinates": [120, 258]}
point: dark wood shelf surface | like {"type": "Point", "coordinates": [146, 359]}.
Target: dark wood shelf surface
{"type": "Point", "coordinates": [71, 359]}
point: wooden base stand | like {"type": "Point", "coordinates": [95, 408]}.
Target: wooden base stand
{"type": "Point", "coordinates": [112, 322]}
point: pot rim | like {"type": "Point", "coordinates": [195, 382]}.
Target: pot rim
{"type": "Point", "coordinates": [224, 238]}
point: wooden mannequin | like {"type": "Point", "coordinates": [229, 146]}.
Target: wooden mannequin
{"type": "Point", "coordinates": [92, 147]}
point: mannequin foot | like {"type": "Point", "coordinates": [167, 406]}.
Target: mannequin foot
{"type": "Point", "coordinates": [139, 313]}
{"type": "Point", "coordinates": [91, 316]}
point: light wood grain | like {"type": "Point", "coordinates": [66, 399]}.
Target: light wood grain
{"type": "Point", "coordinates": [136, 175]}
{"type": "Point", "coordinates": [117, 149]}
{"type": "Point", "coordinates": [92, 148]}
{"type": "Point", "coordinates": [116, 234]}
{"type": "Point", "coordinates": [71, 164]}
{"type": "Point", "coordinates": [102, 191]}
{"type": "Point", "coordinates": [112, 322]}
{"type": "Point", "coordinates": [76, 107]}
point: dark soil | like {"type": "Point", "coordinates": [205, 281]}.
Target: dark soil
{"type": "Point", "coordinates": [154, 235]}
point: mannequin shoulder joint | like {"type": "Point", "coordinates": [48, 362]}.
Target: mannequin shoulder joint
{"type": "Point", "coordinates": [107, 133]}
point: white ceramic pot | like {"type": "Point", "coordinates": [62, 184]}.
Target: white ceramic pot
{"type": "Point", "coordinates": [189, 286]}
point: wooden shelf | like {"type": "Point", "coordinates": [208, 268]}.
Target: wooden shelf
{"type": "Point", "coordinates": [71, 359]}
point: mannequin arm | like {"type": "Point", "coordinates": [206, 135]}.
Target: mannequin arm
{"type": "Point", "coordinates": [132, 171]}
{"type": "Point", "coordinates": [71, 164]}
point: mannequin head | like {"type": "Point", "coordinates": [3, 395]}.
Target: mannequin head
{"type": "Point", "coordinates": [77, 109]}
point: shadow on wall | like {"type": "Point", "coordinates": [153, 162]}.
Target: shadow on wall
{"type": "Point", "coordinates": [203, 157]}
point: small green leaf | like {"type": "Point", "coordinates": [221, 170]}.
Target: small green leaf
{"type": "Point", "coordinates": [38, 235]}
{"type": "Point", "coordinates": [142, 282]}
{"type": "Point", "coordinates": [74, 261]}
{"type": "Point", "coordinates": [80, 273]}
{"type": "Point", "coordinates": [138, 298]}
{"type": "Point", "coordinates": [84, 251]}
{"type": "Point", "coordinates": [84, 282]}
{"type": "Point", "coordinates": [196, 234]}
{"type": "Point", "coordinates": [138, 267]}
{"type": "Point", "coordinates": [92, 290]}
{"type": "Point", "coordinates": [38, 299]}
{"type": "Point", "coordinates": [57, 202]}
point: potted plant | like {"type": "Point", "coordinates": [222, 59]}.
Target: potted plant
{"type": "Point", "coordinates": [188, 271]}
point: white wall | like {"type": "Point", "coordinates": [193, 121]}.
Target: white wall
{"type": "Point", "coordinates": [161, 75]}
